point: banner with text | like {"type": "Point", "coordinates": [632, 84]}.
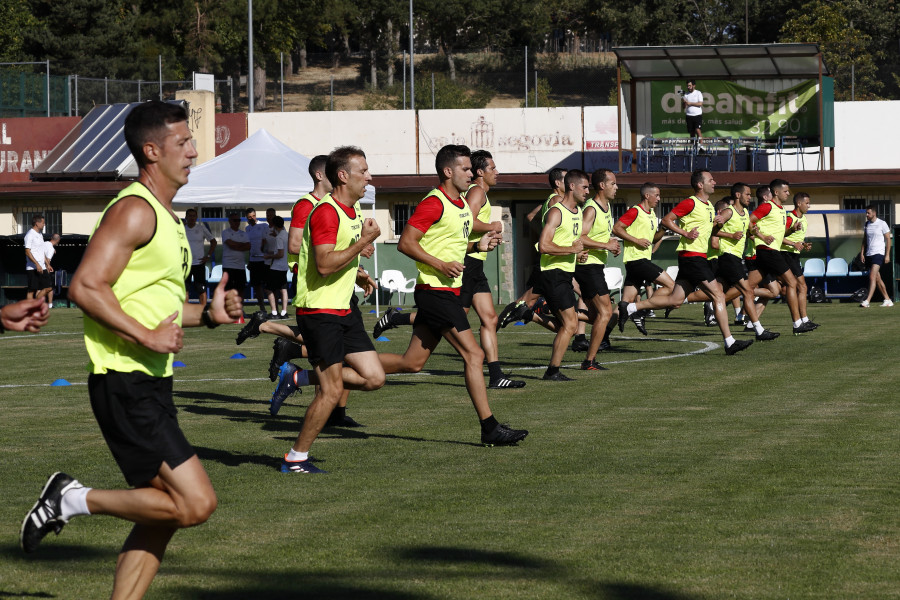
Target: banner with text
{"type": "Point", "coordinates": [731, 110]}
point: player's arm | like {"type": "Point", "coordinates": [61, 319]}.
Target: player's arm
{"type": "Point", "coordinates": [887, 247]}
{"type": "Point", "coordinates": [587, 222]}
{"type": "Point", "coordinates": [410, 245]}
{"type": "Point", "coordinates": [476, 198]}
{"type": "Point", "coordinates": [537, 210]}
{"type": "Point", "coordinates": [328, 260]}
{"type": "Point", "coordinates": [123, 228]}
{"type": "Point", "coordinates": [24, 315]}
{"type": "Point", "coordinates": [620, 232]}
{"type": "Point", "coordinates": [670, 222]}
{"type": "Point", "coordinates": [295, 238]}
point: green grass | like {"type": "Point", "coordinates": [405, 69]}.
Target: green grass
{"type": "Point", "coordinates": [770, 474]}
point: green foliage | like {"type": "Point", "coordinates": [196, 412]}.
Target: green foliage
{"type": "Point", "coordinates": [17, 20]}
{"type": "Point", "coordinates": [543, 95]}
{"type": "Point", "coordinates": [842, 46]}
{"type": "Point", "coordinates": [318, 103]}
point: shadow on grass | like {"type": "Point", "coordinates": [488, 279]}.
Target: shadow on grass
{"type": "Point", "coordinates": [8, 594]}
{"type": "Point", "coordinates": [213, 397]}
{"type": "Point", "coordinates": [236, 459]}
{"type": "Point", "coordinates": [51, 552]}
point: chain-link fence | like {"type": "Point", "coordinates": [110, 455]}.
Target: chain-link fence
{"type": "Point", "coordinates": [478, 78]}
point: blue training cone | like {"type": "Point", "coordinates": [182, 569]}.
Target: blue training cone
{"type": "Point", "coordinates": [60, 382]}
{"type": "Point", "coordinates": [178, 363]}
{"type": "Point", "coordinates": [519, 324]}
{"type": "Point", "coordinates": [382, 339]}
{"type": "Point", "coordinates": [237, 356]}
{"type": "Point", "coordinates": [372, 312]}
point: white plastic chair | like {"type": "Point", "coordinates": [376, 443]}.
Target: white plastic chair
{"type": "Point", "coordinates": [396, 282]}
{"type": "Point", "coordinates": [614, 279]}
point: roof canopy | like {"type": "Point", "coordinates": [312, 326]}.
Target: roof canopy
{"type": "Point", "coordinates": [737, 61]}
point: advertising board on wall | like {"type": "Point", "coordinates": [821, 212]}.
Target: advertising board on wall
{"type": "Point", "coordinates": [731, 110]}
{"type": "Point", "coordinates": [231, 130]}
{"type": "Point", "coordinates": [528, 140]}
{"type": "Point", "coordinates": [25, 142]}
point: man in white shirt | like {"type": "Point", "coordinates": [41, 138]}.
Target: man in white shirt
{"type": "Point", "coordinates": [49, 253]}
{"type": "Point", "coordinates": [234, 244]}
{"type": "Point", "coordinates": [876, 251]}
{"type": "Point", "coordinates": [256, 235]}
{"type": "Point", "coordinates": [276, 257]}
{"type": "Point", "coordinates": [197, 234]}
{"type": "Point", "coordinates": [693, 110]}
{"type": "Point", "coordinates": [35, 267]}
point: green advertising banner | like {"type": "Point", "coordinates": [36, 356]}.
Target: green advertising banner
{"type": "Point", "coordinates": [731, 110]}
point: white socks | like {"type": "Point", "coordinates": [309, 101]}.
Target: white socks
{"type": "Point", "coordinates": [74, 503]}
{"type": "Point", "coordinates": [294, 456]}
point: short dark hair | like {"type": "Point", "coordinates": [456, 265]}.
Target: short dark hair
{"type": "Point", "coordinates": [801, 195]}
{"type": "Point", "coordinates": [446, 157]}
{"type": "Point", "coordinates": [761, 193]}
{"type": "Point", "coordinates": [191, 210]}
{"type": "Point", "coordinates": [720, 204]}
{"type": "Point", "coordinates": [555, 174]}
{"type": "Point", "coordinates": [277, 222]}
{"type": "Point", "coordinates": [250, 210]}
{"type": "Point", "coordinates": [738, 188]}
{"type": "Point", "coordinates": [872, 208]}
{"type": "Point", "coordinates": [600, 176]}
{"type": "Point", "coordinates": [317, 164]}
{"type": "Point", "coordinates": [574, 176]}
{"type": "Point", "coordinates": [647, 186]}
{"type": "Point", "coordinates": [339, 160]}
{"type": "Point", "coordinates": [692, 81]}
{"type": "Point", "coordinates": [777, 183]}
{"type": "Point", "coordinates": [697, 178]}
{"type": "Point", "coordinates": [35, 219]}
{"type": "Point", "coordinates": [147, 122]}
{"type": "Point", "coordinates": [480, 160]}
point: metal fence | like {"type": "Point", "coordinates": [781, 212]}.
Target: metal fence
{"type": "Point", "coordinates": [332, 81]}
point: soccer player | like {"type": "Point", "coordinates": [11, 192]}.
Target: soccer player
{"type": "Point", "coordinates": [639, 230]}
{"type": "Point", "coordinates": [130, 286]}
{"type": "Point", "coordinates": [436, 236]}
{"type": "Point", "coordinates": [333, 332]}
{"type": "Point", "coordinates": [732, 236]}
{"type": "Point", "coordinates": [794, 242]}
{"type": "Point", "coordinates": [596, 227]}
{"type": "Point", "coordinates": [560, 244]}
{"type": "Point", "coordinates": [768, 224]}
{"type": "Point", "coordinates": [696, 219]}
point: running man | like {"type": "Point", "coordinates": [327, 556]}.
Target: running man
{"type": "Point", "coordinates": [795, 242]}
{"type": "Point", "coordinates": [436, 236]}
{"type": "Point", "coordinates": [131, 288]}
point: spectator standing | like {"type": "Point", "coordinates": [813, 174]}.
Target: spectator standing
{"type": "Point", "coordinates": [276, 258]}
{"type": "Point", "coordinates": [876, 251]}
{"type": "Point", "coordinates": [49, 253]}
{"type": "Point", "coordinates": [693, 110]}
{"type": "Point", "coordinates": [34, 259]}
{"type": "Point", "coordinates": [234, 244]}
{"type": "Point", "coordinates": [197, 235]}
{"type": "Point", "coordinates": [256, 234]}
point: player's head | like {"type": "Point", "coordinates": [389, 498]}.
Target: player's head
{"type": "Point", "coordinates": [557, 177]}
{"type": "Point", "coordinates": [317, 167]}
{"type": "Point", "coordinates": [650, 194]}
{"type": "Point", "coordinates": [700, 178]}
{"type": "Point", "coordinates": [148, 122]}
{"type": "Point", "coordinates": [763, 193]}
{"type": "Point", "coordinates": [723, 204]}
{"type": "Point", "coordinates": [480, 161]}
{"type": "Point", "coordinates": [446, 159]}
{"type": "Point", "coordinates": [604, 181]}
{"type": "Point", "coordinates": [190, 216]}
{"type": "Point", "coordinates": [802, 202]}
{"type": "Point", "coordinates": [37, 220]}
{"type": "Point", "coordinates": [578, 183]}
{"type": "Point", "coordinates": [339, 161]}
{"type": "Point", "coordinates": [739, 188]}
{"type": "Point", "coordinates": [780, 190]}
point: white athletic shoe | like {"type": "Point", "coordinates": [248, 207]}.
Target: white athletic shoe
{"type": "Point", "coordinates": [887, 302]}
{"type": "Point", "coordinates": [864, 304]}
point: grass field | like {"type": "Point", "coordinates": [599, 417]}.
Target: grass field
{"type": "Point", "coordinates": [680, 473]}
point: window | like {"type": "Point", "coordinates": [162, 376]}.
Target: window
{"type": "Point", "coordinates": [207, 214]}
{"type": "Point", "coordinates": [52, 220]}
{"type": "Point", "coordinates": [400, 212]}
{"type": "Point", "coordinates": [883, 206]}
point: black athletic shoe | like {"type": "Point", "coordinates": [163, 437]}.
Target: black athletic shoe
{"type": "Point", "coordinates": [558, 376]}
{"type": "Point", "coordinates": [282, 351]}
{"type": "Point", "coordinates": [803, 328]}
{"type": "Point", "coordinates": [580, 344]}
{"type": "Point", "coordinates": [505, 383]}
{"type": "Point", "coordinates": [623, 315]}
{"type": "Point", "coordinates": [46, 514]}
{"type": "Point", "coordinates": [814, 325]}
{"type": "Point", "coordinates": [251, 329]}
{"type": "Point", "coordinates": [345, 421]}
{"type": "Point", "coordinates": [638, 319]}
{"type": "Point", "coordinates": [709, 314]}
{"type": "Point", "coordinates": [592, 365]}
{"type": "Point", "coordinates": [503, 435]}
{"type": "Point", "coordinates": [384, 323]}
{"type": "Point", "coordinates": [669, 310]}
{"type": "Point", "coordinates": [737, 346]}
{"type": "Point", "coordinates": [505, 315]}
{"type": "Point", "coordinates": [766, 335]}
{"type": "Point", "coordinates": [604, 345]}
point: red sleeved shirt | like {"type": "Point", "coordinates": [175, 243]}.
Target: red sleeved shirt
{"type": "Point", "coordinates": [427, 213]}
{"type": "Point", "coordinates": [629, 216]}
{"type": "Point", "coordinates": [301, 213]}
{"type": "Point", "coordinates": [324, 224]}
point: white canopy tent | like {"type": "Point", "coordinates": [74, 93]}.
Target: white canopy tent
{"type": "Point", "coordinates": [260, 171]}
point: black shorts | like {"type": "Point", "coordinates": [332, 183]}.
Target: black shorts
{"type": "Point", "coordinates": [197, 277]}
{"type": "Point", "coordinates": [691, 271]}
{"type": "Point", "coordinates": [558, 289]}
{"type": "Point", "coordinates": [138, 420]}
{"type": "Point", "coordinates": [592, 281]}
{"type": "Point", "coordinates": [440, 310]}
{"type": "Point", "coordinates": [46, 279]}
{"type": "Point", "coordinates": [694, 122]}
{"type": "Point", "coordinates": [771, 262]}
{"type": "Point", "coordinates": [237, 279]}
{"type": "Point", "coordinates": [875, 259]}
{"type": "Point", "coordinates": [259, 270]}
{"type": "Point", "coordinates": [329, 338]}
{"type": "Point", "coordinates": [793, 262]}
{"type": "Point", "coordinates": [731, 269]}
{"type": "Point", "coordinates": [474, 281]}
{"type": "Point", "coordinates": [534, 280]}
{"type": "Point", "coordinates": [276, 280]}
{"type": "Point", "coordinates": [35, 281]}
{"type": "Point", "coordinates": [640, 272]}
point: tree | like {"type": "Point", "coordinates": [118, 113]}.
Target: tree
{"type": "Point", "coordinates": [17, 22]}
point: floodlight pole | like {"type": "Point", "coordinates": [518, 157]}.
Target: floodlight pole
{"type": "Point", "coordinates": [48, 87]}
{"type": "Point", "coordinates": [412, 61]}
{"type": "Point", "coordinates": [250, 55]}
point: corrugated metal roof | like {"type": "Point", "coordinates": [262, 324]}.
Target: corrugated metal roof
{"type": "Point", "coordinates": [721, 62]}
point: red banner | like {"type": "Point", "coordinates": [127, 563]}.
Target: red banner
{"type": "Point", "coordinates": [231, 130]}
{"type": "Point", "coordinates": [24, 142]}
